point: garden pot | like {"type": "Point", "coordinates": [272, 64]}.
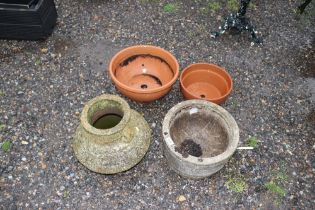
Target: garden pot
{"type": "Point", "coordinates": [144, 73]}
{"type": "Point", "coordinates": [206, 81]}
{"type": "Point", "coordinates": [27, 19]}
{"type": "Point", "coordinates": [199, 138]}
{"type": "Point", "coordinates": [111, 137]}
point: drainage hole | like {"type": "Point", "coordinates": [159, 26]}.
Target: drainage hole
{"type": "Point", "coordinates": [202, 96]}
{"type": "Point", "coordinates": [144, 86]}
{"type": "Point", "coordinates": [143, 64]}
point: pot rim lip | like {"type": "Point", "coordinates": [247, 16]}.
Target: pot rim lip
{"type": "Point", "coordinates": [138, 91]}
{"type": "Point", "coordinates": [121, 125]}
{"type": "Point", "coordinates": [209, 65]}
{"type": "Point", "coordinates": [168, 141]}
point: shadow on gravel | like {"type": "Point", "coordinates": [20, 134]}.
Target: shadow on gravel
{"type": "Point", "coordinates": [311, 117]}
{"type": "Point", "coordinates": [306, 60]}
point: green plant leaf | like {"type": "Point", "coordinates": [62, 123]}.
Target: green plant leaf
{"type": "Point", "coordinates": [37, 62]}
{"type": "Point", "coordinates": [6, 146]}
{"type": "Point", "coordinates": [233, 5]}
{"type": "Point", "coordinates": [2, 127]}
{"type": "Point", "coordinates": [170, 7]}
{"type": "Point", "coordinates": [253, 142]}
{"type": "Point", "coordinates": [237, 185]}
{"type": "Point", "coordinates": [214, 6]}
{"type": "Point", "coordinates": [273, 187]}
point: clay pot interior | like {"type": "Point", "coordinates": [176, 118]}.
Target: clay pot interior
{"type": "Point", "coordinates": [144, 72]}
{"type": "Point", "coordinates": [200, 135]}
{"type": "Point", "coordinates": [206, 81]}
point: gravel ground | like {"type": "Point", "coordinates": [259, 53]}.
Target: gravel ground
{"type": "Point", "coordinates": [44, 86]}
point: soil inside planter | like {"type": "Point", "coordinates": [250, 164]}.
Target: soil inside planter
{"type": "Point", "coordinates": [189, 147]}
{"type": "Point", "coordinates": [199, 134]}
{"type": "Point", "coordinates": [144, 72]}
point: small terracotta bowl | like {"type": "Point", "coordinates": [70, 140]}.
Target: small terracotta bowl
{"type": "Point", "coordinates": [144, 73]}
{"type": "Point", "coordinates": [206, 81]}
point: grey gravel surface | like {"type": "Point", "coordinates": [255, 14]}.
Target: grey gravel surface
{"type": "Point", "coordinates": [45, 84]}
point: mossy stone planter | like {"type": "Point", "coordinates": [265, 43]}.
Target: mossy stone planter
{"type": "Point", "coordinates": [199, 138]}
{"type": "Point", "coordinates": [111, 137]}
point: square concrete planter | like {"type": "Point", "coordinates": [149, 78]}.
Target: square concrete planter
{"type": "Point", "coordinates": [27, 19]}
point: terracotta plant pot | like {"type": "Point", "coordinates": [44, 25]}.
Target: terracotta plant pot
{"type": "Point", "coordinates": [144, 73]}
{"type": "Point", "coordinates": [199, 138]}
{"type": "Point", "coordinates": [206, 81]}
{"type": "Point", "coordinates": [111, 137]}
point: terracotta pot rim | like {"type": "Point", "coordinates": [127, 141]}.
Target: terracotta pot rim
{"type": "Point", "coordinates": [210, 65]}
{"type": "Point", "coordinates": [163, 87]}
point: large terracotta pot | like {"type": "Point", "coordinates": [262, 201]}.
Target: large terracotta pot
{"type": "Point", "coordinates": [206, 81]}
{"type": "Point", "coordinates": [144, 73]}
{"type": "Point", "coordinates": [111, 137]}
{"type": "Point", "coordinates": [199, 138]}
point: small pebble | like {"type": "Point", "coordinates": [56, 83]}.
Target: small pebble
{"type": "Point", "coordinates": [44, 50]}
{"type": "Point", "coordinates": [181, 198]}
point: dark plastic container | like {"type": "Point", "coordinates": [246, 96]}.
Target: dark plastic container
{"type": "Point", "coordinates": [27, 19]}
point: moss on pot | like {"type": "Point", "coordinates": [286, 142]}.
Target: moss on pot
{"type": "Point", "coordinates": [110, 147]}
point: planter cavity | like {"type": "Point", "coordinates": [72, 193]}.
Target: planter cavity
{"type": "Point", "coordinates": [206, 81]}
{"type": "Point", "coordinates": [199, 138]}
{"type": "Point", "coordinates": [27, 19]}
{"type": "Point", "coordinates": [111, 137]}
{"type": "Point", "coordinates": [144, 73]}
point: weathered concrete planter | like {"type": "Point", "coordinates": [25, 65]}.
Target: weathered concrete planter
{"type": "Point", "coordinates": [111, 137]}
{"type": "Point", "coordinates": [199, 138]}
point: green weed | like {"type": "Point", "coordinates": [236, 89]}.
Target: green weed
{"type": "Point", "coordinates": [253, 142]}
{"type": "Point", "coordinates": [273, 187]}
{"type": "Point", "coordinates": [214, 6]}
{"type": "Point", "coordinates": [170, 7]}
{"type": "Point", "coordinates": [38, 62]}
{"type": "Point", "coordinates": [66, 194]}
{"type": "Point", "coordinates": [234, 102]}
{"type": "Point", "coordinates": [277, 183]}
{"type": "Point", "coordinates": [237, 185]}
{"type": "Point", "coordinates": [233, 5]}
{"type": "Point", "coordinates": [6, 146]}
{"type": "Point", "coordinates": [2, 127]}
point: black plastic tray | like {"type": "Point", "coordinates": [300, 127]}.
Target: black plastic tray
{"type": "Point", "coordinates": [23, 4]}
{"type": "Point", "coordinates": [27, 19]}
